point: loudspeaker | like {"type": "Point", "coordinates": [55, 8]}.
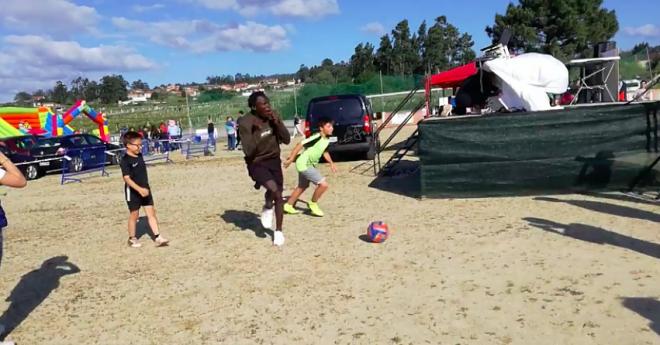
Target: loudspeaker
{"type": "Point", "coordinates": [603, 47]}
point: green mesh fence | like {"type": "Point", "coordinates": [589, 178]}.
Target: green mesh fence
{"type": "Point", "coordinates": [287, 102]}
{"type": "Point", "coordinates": [588, 148]}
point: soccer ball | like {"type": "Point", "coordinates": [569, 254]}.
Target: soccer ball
{"type": "Point", "coordinates": [377, 232]}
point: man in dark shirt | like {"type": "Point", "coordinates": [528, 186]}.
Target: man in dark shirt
{"type": "Point", "coordinates": [210, 129]}
{"type": "Point", "coordinates": [137, 191]}
{"type": "Point", "coordinates": [262, 131]}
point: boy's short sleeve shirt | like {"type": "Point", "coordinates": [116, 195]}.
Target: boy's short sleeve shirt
{"type": "Point", "coordinates": [136, 169]}
{"type": "Point", "coordinates": [314, 146]}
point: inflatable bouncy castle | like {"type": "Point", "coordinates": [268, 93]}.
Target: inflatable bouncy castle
{"type": "Point", "coordinates": [42, 121]}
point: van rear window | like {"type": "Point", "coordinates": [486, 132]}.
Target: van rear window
{"type": "Point", "coordinates": [340, 110]}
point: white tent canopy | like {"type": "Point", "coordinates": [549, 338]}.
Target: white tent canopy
{"type": "Point", "coordinates": [525, 80]}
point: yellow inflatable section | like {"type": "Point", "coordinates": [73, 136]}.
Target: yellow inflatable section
{"type": "Point", "coordinates": [7, 130]}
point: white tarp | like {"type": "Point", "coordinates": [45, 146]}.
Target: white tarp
{"type": "Point", "coordinates": [525, 80]}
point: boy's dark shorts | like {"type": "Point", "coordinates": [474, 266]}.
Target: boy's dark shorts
{"type": "Point", "coordinates": [264, 171]}
{"type": "Point", "coordinates": [134, 200]}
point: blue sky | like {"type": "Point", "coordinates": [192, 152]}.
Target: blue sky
{"type": "Point", "coordinates": [163, 41]}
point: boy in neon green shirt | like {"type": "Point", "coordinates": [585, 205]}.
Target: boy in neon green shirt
{"type": "Point", "coordinates": [315, 147]}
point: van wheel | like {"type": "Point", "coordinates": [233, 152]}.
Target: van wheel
{"type": "Point", "coordinates": [116, 159]}
{"type": "Point", "coordinates": [31, 172]}
{"type": "Point", "coordinates": [76, 164]}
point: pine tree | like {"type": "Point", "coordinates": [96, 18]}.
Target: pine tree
{"type": "Point", "coordinates": [563, 28]}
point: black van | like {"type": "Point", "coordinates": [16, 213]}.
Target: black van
{"type": "Point", "coordinates": [353, 119]}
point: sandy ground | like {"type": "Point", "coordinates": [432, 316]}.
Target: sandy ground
{"type": "Point", "coordinates": [478, 271]}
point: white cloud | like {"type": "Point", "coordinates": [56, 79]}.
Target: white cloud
{"type": "Point", "coordinates": [647, 30]}
{"type": "Point", "coordinates": [32, 62]}
{"type": "Point", "coordinates": [202, 36]}
{"type": "Point", "coordinates": [305, 8]}
{"type": "Point", "coordinates": [147, 8]}
{"type": "Point", "coordinates": [374, 28]}
{"type": "Point", "coordinates": [56, 17]}
{"type": "Point", "coordinates": [218, 4]}
{"type": "Point", "coordinates": [285, 8]}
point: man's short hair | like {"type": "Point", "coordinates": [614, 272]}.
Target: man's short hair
{"type": "Point", "coordinates": [130, 136]}
{"type": "Point", "coordinates": [324, 121]}
{"type": "Point", "coordinates": [252, 100]}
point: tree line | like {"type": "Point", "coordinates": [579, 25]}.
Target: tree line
{"type": "Point", "coordinates": [401, 52]}
{"type": "Point", "coordinates": [110, 89]}
{"type": "Point", "coordinates": [565, 29]}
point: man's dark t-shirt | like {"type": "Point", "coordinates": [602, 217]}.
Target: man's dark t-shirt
{"type": "Point", "coordinates": [136, 169]}
{"type": "Point", "coordinates": [210, 128]}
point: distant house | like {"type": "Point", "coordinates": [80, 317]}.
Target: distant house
{"type": "Point", "coordinates": [139, 96]}
{"type": "Point", "coordinates": [38, 100]}
{"type": "Point", "coordinates": [270, 82]}
{"type": "Point", "coordinates": [238, 87]}
{"type": "Point", "coordinates": [174, 89]}
{"type": "Point", "coordinates": [249, 91]}
{"type": "Point", "coordinates": [191, 91]}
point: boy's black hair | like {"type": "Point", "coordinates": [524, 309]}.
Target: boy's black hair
{"type": "Point", "coordinates": [241, 112]}
{"type": "Point", "coordinates": [130, 136]}
{"type": "Point", "coordinates": [252, 100]}
{"type": "Point", "coordinates": [324, 121]}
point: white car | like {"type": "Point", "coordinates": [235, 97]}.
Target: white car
{"type": "Point", "coordinates": [632, 85]}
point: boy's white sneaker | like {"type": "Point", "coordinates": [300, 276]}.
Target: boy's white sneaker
{"type": "Point", "coordinates": [267, 218]}
{"type": "Point", "coordinates": [278, 238]}
{"type": "Point", "coordinates": [132, 242]}
{"type": "Point", "coordinates": [7, 342]}
{"type": "Point", "coordinates": [161, 241]}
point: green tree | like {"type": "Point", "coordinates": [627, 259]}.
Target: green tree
{"type": "Point", "coordinates": [303, 73]}
{"type": "Point", "coordinates": [113, 89]}
{"type": "Point", "coordinates": [446, 47]}
{"type": "Point", "coordinates": [60, 93]}
{"type": "Point", "coordinates": [403, 52]}
{"type": "Point", "coordinates": [23, 98]}
{"type": "Point", "coordinates": [327, 63]}
{"type": "Point", "coordinates": [563, 28]}
{"type": "Point", "coordinates": [384, 55]}
{"type": "Point", "coordinates": [139, 85]}
{"type": "Point", "coordinates": [78, 88]}
{"type": "Point", "coordinates": [91, 91]}
{"type": "Point", "coordinates": [362, 63]}
{"type": "Point", "coordinates": [640, 48]}
{"type": "Point", "coordinates": [463, 52]}
{"type": "Point", "coordinates": [324, 77]}
{"type": "Point", "coordinates": [419, 45]}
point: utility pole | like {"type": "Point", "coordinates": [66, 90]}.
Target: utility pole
{"type": "Point", "coordinates": [188, 111]}
{"type": "Point", "coordinates": [648, 63]}
{"type": "Point", "coordinates": [382, 100]}
{"type": "Point", "coordinates": [295, 99]}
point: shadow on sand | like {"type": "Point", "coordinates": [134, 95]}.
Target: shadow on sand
{"type": "Point", "coordinates": [33, 288]}
{"type": "Point", "coordinates": [611, 209]}
{"type": "Point", "coordinates": [245, 220]}
{"type": "Point", "coordinates": [647, 307]}
{"type": "Point", "coordinates": [596, 235]}
{"type": "Point", "coordinates": [142, 228]}
{"type": "Point", "coordinates": [405, 180]}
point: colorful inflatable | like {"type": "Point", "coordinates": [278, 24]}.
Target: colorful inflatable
{"type": "Point", "coordinates": [81, 107]}
{"type": "Point", "coordinates": [15, 121]}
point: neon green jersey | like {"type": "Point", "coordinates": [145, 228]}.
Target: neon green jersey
{"type": "Point", "coordinates": [314, 146]}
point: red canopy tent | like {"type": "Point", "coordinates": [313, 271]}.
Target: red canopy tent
{"type": "Point", "coordinates": [451, 78]}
